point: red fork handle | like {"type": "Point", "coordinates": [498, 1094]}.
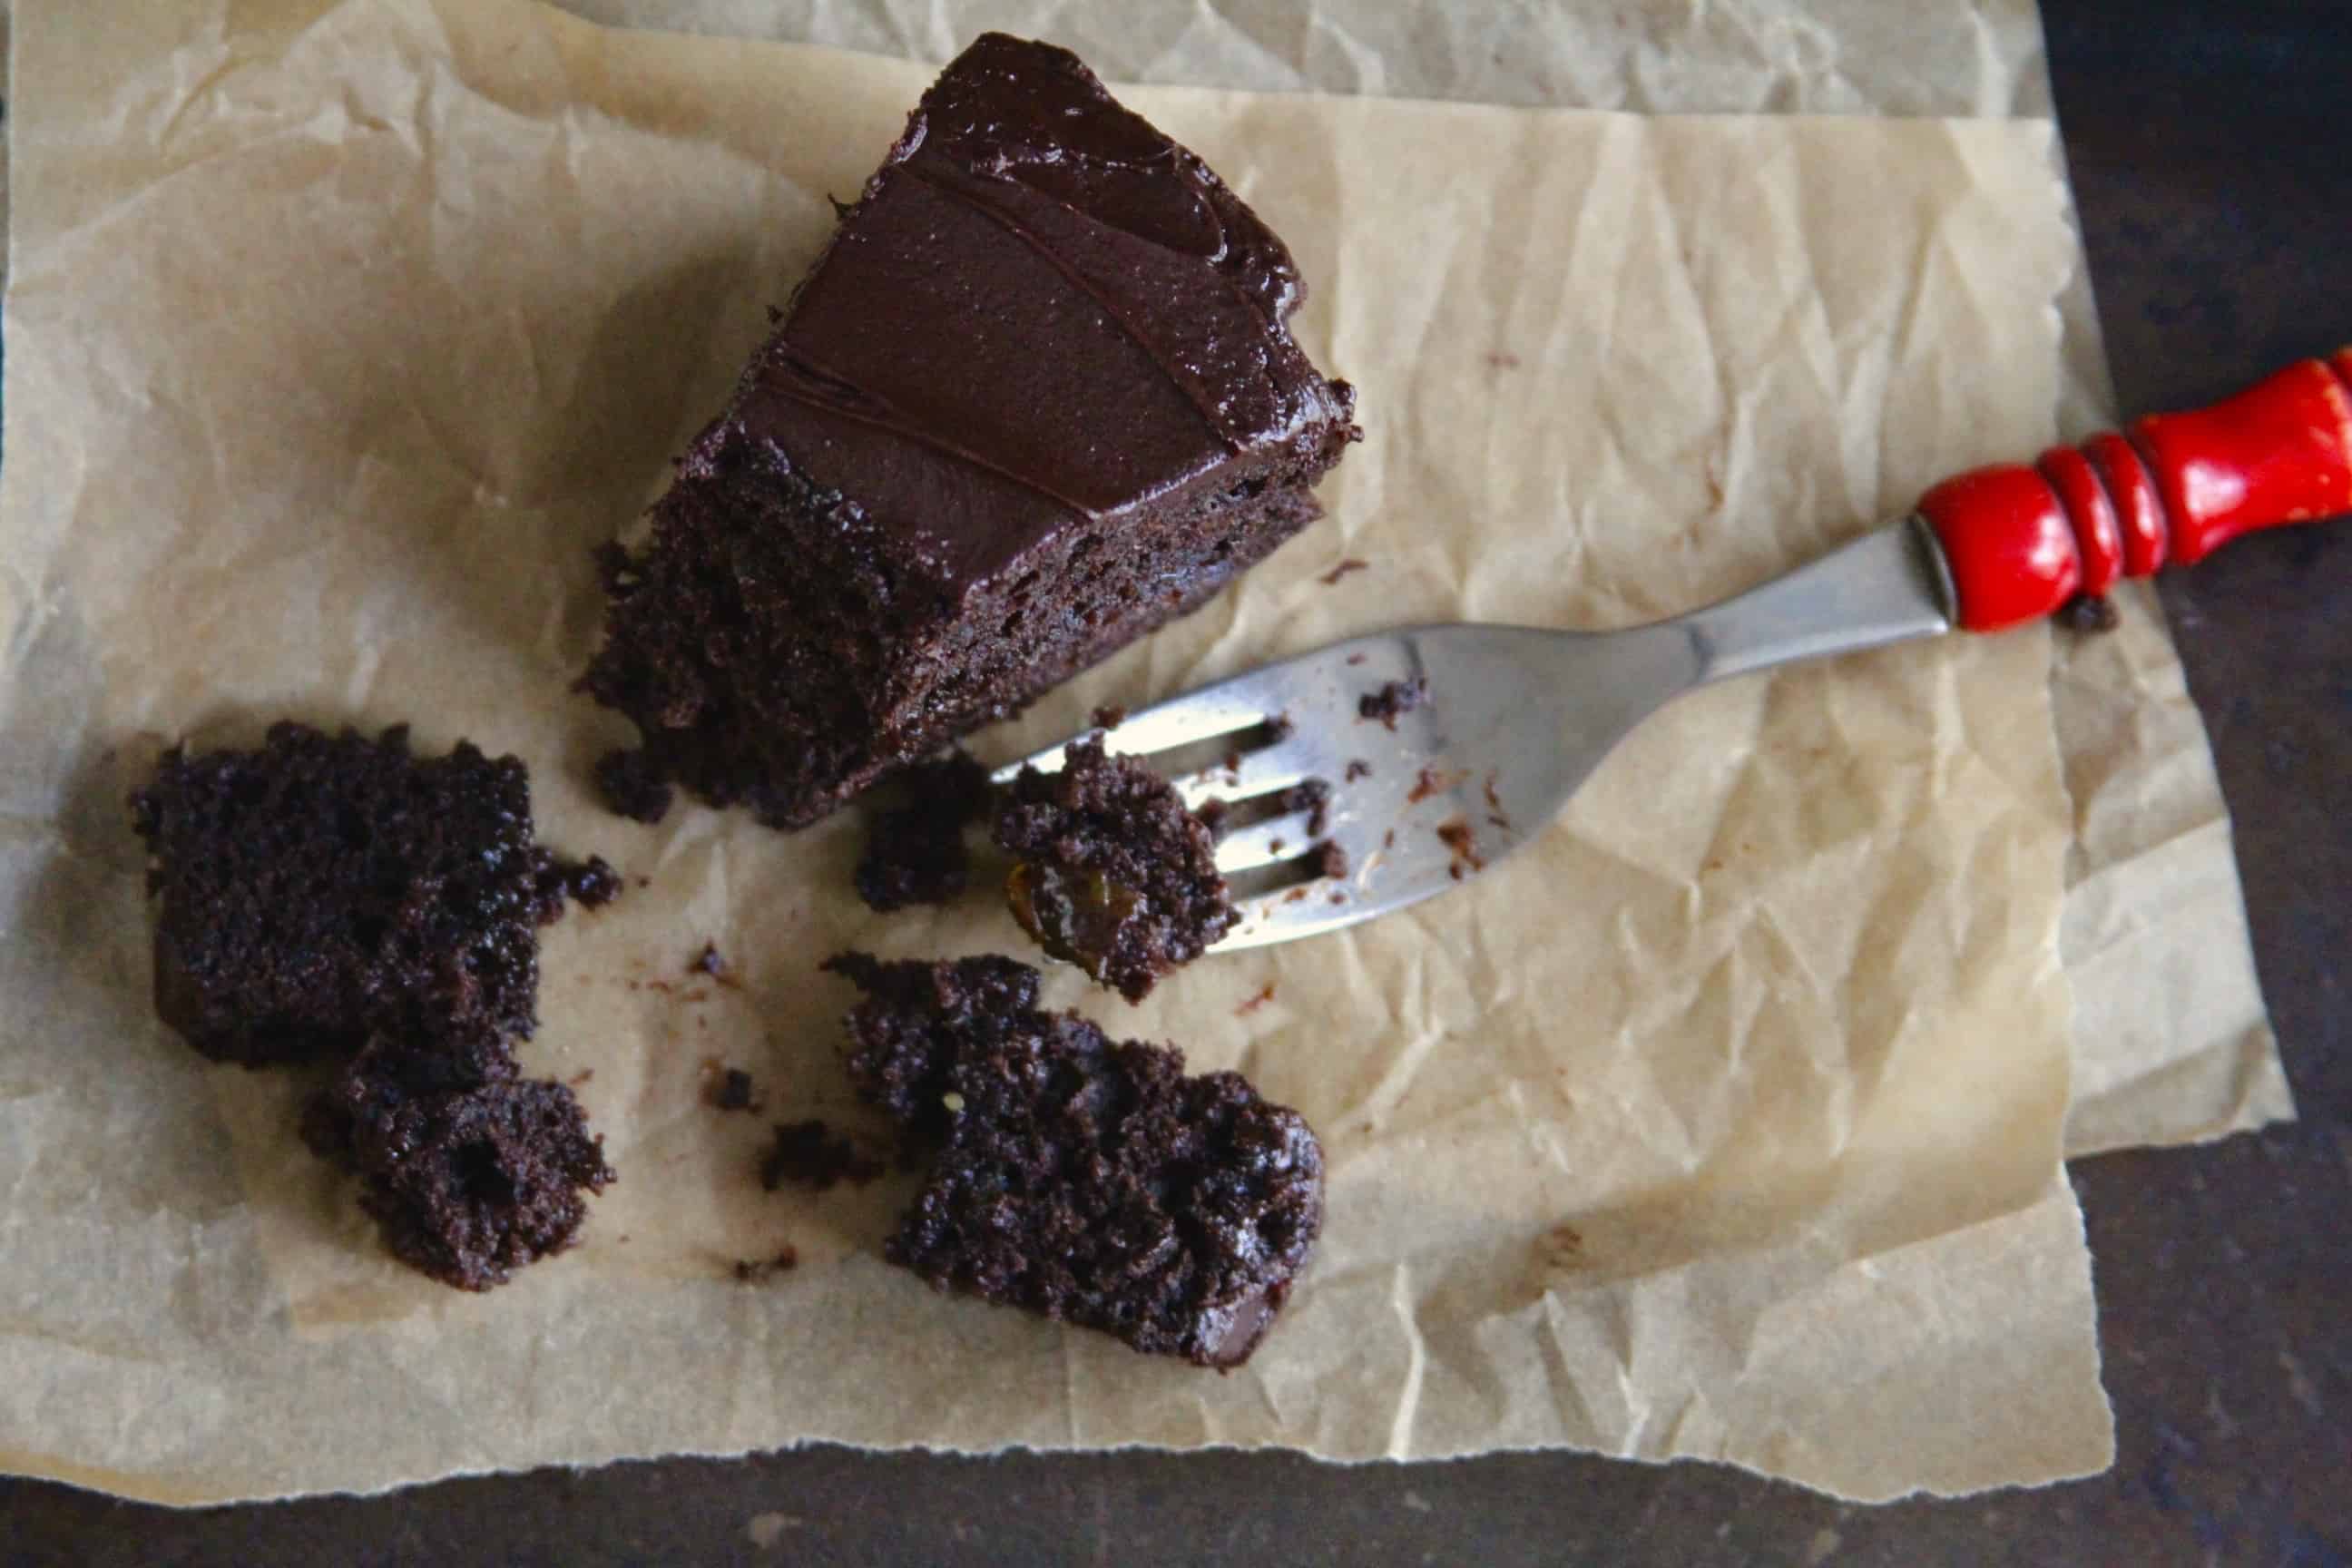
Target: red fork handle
{"type": "Point", "coordinates": [2023, 542]}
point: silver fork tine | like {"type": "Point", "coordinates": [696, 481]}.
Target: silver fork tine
{"type": "Point", "coordinates": [1264, 843]}
{"type": "Point", "coordinates": [1227, 709]}
{"type": "Point", "coordinates": [1263, 770]}
{"type": "Point", "coordinates": [1203, 717]}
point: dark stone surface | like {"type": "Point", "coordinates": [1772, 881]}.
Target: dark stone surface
{"type": "Point", "coordinates": [2213, 162]}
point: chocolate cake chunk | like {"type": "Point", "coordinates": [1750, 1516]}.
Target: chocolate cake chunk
{"type": "Point", "coordinates": [915, 852]}
{"type": "Point", "coordinates": [1115, 875]}
{"type": "Point", "coordinates": [633, 787]}
{"type": "Point", "coordinates": [591, 883]}
{"type": "Point", "coordinates": [732, 1090]}
{"type": "Point", "coordinates": [1394, 700]}
{"type": "Point", "coordinates": [467, 1184]}
{"type": "Point", "coordinates": [324, 887]}
{"type": "Point", "coordinates": [1090, 1181]}
{"type": "Point", "coordinates": [327, 894]}
{"type": "Point", "coordinates": [812, 1155]}
{"type": "Point", "coordinates": [390, 1071]}
{"type": "Point", "coordinates": [1312, 797]}
{"type": "Point", "coordinates": [1036, 398]}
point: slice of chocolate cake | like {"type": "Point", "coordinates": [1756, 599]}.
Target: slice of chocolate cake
{"type": "Point", "coordinates": [1115, 875]}
{"type": "Point", "coordinates": [467, 1182]}
{"type": "Point", "coordinates": [326, 886]}
{"type": "Point", "coordinates": [1092, 1181]}
{"type": "Point", "coordinates": [1036, 398]}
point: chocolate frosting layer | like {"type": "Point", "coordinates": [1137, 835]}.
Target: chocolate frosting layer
{"type": "Point", "coordinates": [1042, 310]}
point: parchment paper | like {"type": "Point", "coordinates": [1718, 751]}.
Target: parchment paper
{"type": "Point", "coordinates": [1723, 1122]}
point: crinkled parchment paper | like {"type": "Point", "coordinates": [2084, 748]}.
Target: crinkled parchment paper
{"type": "Point", "coordinates": [1723, 1123]}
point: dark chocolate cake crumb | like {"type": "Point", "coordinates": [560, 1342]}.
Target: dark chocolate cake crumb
{"type": "Point", "coordinates": [1094, 1183]}
{"type": "Point", "coordinates": [1461, 840]}
{"type": "Point", "coordinates": [1213, 814]}
{"type": "Point", "coordinates": [465, 1182]}
{"type": "Point", "coordinates": [731, 1090]}
{"type": "Point", "coordinates": [388, 1072]}
{"type": "Point", "coordinates": [1330, 861]}
{"type": "Point", "coordinates": [632, 785]}
{"type": "Point", "coordinates": [760, 1271]}
{"type": "Point", "coordinates": [2089, 614]}
{"type": "Point", "coordinates": [1357, 769]}
{"type": "Point", "coordinates": [811, 1155]}
{"type": "Point", "coordinates": [1109, 716]}
{"type": "Point", "coordinates": [591, 883]}
{"type": "Point", "coordinates": [325, 887]}
{"type": "Point", "coordinates": [1312, 797]}
{"type": "Point", "coordinates": [890, 535]}
{"type": "Point", "coordinates": [708, 962]}
{"type": "Point", "coordinates": [1115, 875]}
{"type": "Point", "coordinates": [1430, 782]}
{"type": "Point", "coordinates": [915, 853]}
{"type": "Point", "coordinates": [1394, 700]}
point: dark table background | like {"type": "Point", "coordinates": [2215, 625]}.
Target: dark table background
{"type": "Point", "coordinates": [2211, 152]}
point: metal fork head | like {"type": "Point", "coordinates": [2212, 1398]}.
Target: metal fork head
{"type": "Point", "coordinates": [1509, 720]}
{"type": "Point", "coordinates": [1513, 720]}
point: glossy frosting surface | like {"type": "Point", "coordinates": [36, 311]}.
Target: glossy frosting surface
{"type": "Point", "coordinates": [1042, 311]}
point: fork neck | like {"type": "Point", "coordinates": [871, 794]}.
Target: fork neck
{"type": "Point", "coordinates": [1888, 586]}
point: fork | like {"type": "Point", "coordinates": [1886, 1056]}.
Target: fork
{"type": "Point", "coordinates": [1509, 720]}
